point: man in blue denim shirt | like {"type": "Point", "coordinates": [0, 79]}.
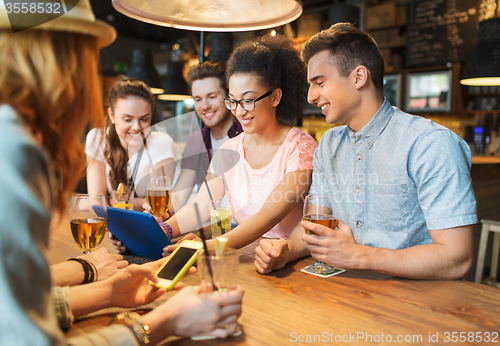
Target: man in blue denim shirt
{"type": "Point", "coordinates": [401, 184]}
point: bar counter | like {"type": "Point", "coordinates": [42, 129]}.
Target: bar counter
{"type": "Point", "coordinates": [353, 308]}
{"type": "Point", "coordinates": [485, 160]}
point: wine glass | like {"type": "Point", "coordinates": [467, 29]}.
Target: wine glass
{"type": "Point", "coordinates": [158, 194]}
{"type": "Point", "coordinates": [88, 220]}
{"type": "Point", "coordinates": [318, 209]}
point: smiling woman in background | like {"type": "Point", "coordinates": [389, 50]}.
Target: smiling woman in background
{"type": "Point", "coordinates": [113, 160]}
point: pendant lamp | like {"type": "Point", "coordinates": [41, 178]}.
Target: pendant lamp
{"type": "Point", "coordinates": [175, 86]}
{"type": "Point", "coordinates": [483, 66]}
{"type": "Point", "coordinates": [212, 15]}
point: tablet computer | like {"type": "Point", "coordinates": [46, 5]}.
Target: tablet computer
{"type": "Point", "coordinates": [138, 231]}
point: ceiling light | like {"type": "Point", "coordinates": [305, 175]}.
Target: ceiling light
{"type": "Point", "coordinates": [175, 86]}
{"type": "Point", "coordinates": [212, 15]}
{"type": "Point", "coordinates": [483, 66]}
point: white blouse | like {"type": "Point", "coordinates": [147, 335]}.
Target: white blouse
{"type": "Point", "coordinates": [160, 146]}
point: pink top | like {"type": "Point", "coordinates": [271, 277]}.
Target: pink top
{"type": "Point", "coordinates": [249, 188]}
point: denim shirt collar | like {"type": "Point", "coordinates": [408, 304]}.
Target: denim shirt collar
{"type": "Point", "coordinates": [371, 131]}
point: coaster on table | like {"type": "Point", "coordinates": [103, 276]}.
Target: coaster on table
{"type": "Point", "coordinates": [327, 275]}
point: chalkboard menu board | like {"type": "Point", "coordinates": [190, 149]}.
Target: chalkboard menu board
{"type": "Point", "coordinates": [442, 31]}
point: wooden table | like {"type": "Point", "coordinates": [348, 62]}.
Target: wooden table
{"type": "Point", "coordinates": [353, 308]}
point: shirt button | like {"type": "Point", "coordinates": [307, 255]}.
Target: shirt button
{"type": "Point", "coordinates": [359, 157]}
{"type": "Point", "coordinates": [358, 224]}
{"type": "Point", "coordinates": [358, 190]}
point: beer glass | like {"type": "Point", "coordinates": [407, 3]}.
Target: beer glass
{"type": "Point", "coordinates": [318, 209]}
{"type": "Point", "coordinates": [158, 194]}
{"type": "Point", "coordinates": [88, 220]}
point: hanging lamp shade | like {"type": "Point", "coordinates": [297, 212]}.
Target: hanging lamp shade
{"type": "Point", "coordinates": [175, 86]}
{"type": "Point", "coordinates": [212, 15]}
{"type": "Point", "coordinates": [143, 68]}
{"type": "Point", "coordinates": [483, 66]}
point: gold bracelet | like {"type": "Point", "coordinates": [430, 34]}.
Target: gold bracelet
{"type": "Point", "coordinates": [134, 322]}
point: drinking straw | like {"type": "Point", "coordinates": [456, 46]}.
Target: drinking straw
{"type": "Point", "coordinates": [147, 152]}
{"type": "Point", "coordinates": [144, 144]}
{"type": "Point", "coordinates": [226, 189]}
{"type": "Point", "coordinates": [208, 189]}
{"type": "Point", "coordinates": [137, 163]}
{"type": "Point", "coordinates": [202, 236]}
{"type": "Point", "coordinates": [219, 222]}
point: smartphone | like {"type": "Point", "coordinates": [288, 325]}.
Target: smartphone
{"type": "Point", "coordinates": [177, 265]}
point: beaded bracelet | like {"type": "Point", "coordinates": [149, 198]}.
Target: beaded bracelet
{"type": "Point", "coordinates": [89, 270]}
{"type": "Point", "coordinates": [167, 228]}
{"type": "Point", "coordinates": [134, 322]}
{"type": "Point", "coordinates": [96, 273]}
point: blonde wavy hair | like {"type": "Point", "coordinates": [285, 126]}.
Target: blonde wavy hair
{"type": "Point", "coordinates": [51, 79]}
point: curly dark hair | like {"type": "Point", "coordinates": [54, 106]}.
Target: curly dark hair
{"type": "Point", "coordinates": [277, 64]}
{"type": "Point", "coordinates": [351, 47]}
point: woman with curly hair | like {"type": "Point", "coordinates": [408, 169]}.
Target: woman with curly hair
{"type": "Point", "coordinates": [266, 171]}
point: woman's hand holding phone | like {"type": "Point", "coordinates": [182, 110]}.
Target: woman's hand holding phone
{"type": "Point", "coordinates": [167, 250]}
{"type": "Point", "coordinates": [130, 287]}
{"type": "Point", "coordinates": [177, 264]}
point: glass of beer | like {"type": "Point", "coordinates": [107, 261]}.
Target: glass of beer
{"type": "Point", "coordinates": [319, 209]}
{"type": "Point", "coordinates": [158, 194]}
{"type": "Point", "coordinates": [88, 220]}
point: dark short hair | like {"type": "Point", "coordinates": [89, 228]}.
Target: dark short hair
{"type": "Point", "coordinates": [351, 47]}
{"type": "Point", "coordinates": [208, 69]}
{"type": "Point", "coordinates": [277, 64]}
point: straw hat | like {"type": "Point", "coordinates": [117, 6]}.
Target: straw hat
{"type": "Point", "coordinates": [76, 18]}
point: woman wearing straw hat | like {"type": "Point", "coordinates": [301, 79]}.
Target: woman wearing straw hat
{"type": "Point", "coordinates": [49, 90]}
